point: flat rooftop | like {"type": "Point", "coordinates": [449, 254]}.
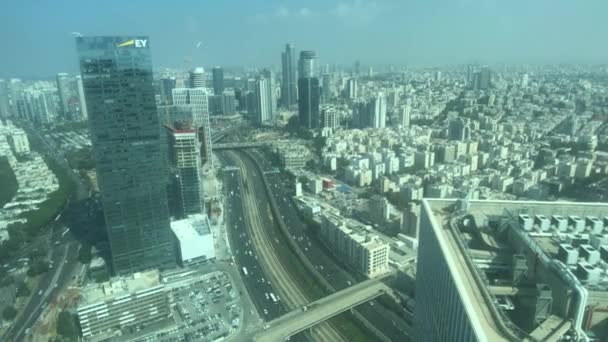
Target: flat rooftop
{"type": "Point", "coordinates": [491, 233]}
{"type": "Point", "coordinates": [119, 286]}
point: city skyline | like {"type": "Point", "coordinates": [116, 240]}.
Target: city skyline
{"type": "Point", "coordinates": [434, 33]}
{"type": "Point", "coordinates": [343, 170]}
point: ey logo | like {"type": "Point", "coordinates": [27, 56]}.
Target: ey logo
{"type": "Point", "coordinates": [138, 43]}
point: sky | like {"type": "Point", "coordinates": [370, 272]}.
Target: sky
{"type": "Point", "coordinates": [37, 38]}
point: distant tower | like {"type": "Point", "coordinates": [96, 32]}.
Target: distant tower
{"type": "Point", "coordinates": [524, 80]}
{"type": "Point", "coordinates": [309, 93]}
{"type": "Point", "coordinates": [67, 95]}
{"type": "Point", "coordinates": [483, 79]}
{"type": "Point", "coordinates": [326, 86]}
{"type": "Point", "coordinates": [378, 111]}
{"type": "Point", "coordinates": [5, 109]}
{"type": "Point", "coordinates": [81, 99]}
{"type": "Point", "coordinates": [166, 86]}
{"type": "Point", "coordinates": [289, 80]}
{"type": "Point", "coordinates": [218, 80]}
{"type": "Point", "coordinates": [307, 64]}
{"type": "Point", "coordinates": [438, 76]}
{"type": "Point", "coordinates": [197, 78]}
{"type": "Point", "coordinates": [406, 113]}
{"type": "Point", "coordinates": [199, 98]}
{"type": "Point", "coordinates": [351, 88]}
{"type": "Point", "coordinates": [270, 84]}
{"type": "Point", "coordinates": [263, 106]}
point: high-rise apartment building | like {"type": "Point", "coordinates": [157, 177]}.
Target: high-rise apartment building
{"type": "Point", "coordinates": [218, 80]}
{"type": "Point", "coordinates": [288, 85]}
{"type": "Point", "coordinates": [326, 87]}
{"type": "Point", "coordinates": [199, 98]}
{"type": "Point", "coordinates": [459, 129]}
{"type": "Point", "coordinates": [125, 132]}
{"type": "Point", "coordinates": [228, 102]}
{"type": "Point", "coordinates": [185, 158]}
{"type": "Point", "coordinates": [370, 112]}
{"type": "Point", "coordinates": [5, 107]}
{"type": "Point", "coordinates": [351, 89]}
{"type": "Point", "coordinates": [37, 105]}
{"type": "Point", "coordinates": [483, 79]}
{"type": "Point", "coordinates": [263, 105]}
{"type": "Point", "coordinates": [166, 86]}
{"type": "Point", "coordinates": [84, 115]}
{"type": "Point", "coordinates": [68, 95]}
{"type": "Point", "coordinates": [269, 75]}
{"type": "Point", "coordinates": [406, 113]}
{"type": "Point", "coordinates": [330, 117]}
{"type": "Point", "coordinates": [309, 98]}
{"type": "Point", "coordinates": [378, 111]}
{"type": "Point", "coordinates": [198, 78]}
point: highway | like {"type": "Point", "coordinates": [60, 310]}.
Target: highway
{"type": "Point", "coordinates": [64, 261]}
{"type": "Point", "coordinates": [257, 283]}
{"type": "Point", "coordinates": [262, 242]}
{"type": "Point", "coordinates": [387, 322]}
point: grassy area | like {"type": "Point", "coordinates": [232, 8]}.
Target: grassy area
{"type": "Point", "coordinates": [54, 203]}
{"type": "Point", "coordinates": [8, 182]}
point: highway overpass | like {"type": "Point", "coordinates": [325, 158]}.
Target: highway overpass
{"type": "Point", "coordinates": [320, 310]}
{"type": "Point", "coordinates": [224, 146]}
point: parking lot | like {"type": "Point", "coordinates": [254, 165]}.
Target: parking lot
{"type": "Point", "coordinates": [204, 310]}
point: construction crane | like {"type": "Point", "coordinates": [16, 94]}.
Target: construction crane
{"type": "Point", "coordinates": [188, 58]}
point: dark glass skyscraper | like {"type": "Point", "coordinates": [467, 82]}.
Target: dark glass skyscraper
{"type": "Point", "coordinates": [309, 95]}
{"type": "Point", "coordinates": [288, 84]}
{"type": "Point", "coordinates": [218, 80]}
{"type": "Point", "coordinates": [125, 131]}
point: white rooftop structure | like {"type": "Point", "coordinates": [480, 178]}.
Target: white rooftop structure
{"type": "Point", "coordinates": [194, 238]}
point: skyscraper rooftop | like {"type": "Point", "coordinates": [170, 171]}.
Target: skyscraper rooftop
{"type": "Point", "coordinates": [512, 270]}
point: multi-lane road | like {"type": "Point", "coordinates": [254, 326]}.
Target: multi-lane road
{"type": "Point", "coordinates": [387, 322]}
{"type": "Point", "coordinates": [270, 285]}
{"type": "Point", "coordinates": [63, 259]}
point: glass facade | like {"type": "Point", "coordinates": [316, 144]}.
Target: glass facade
{"type": "Point", "coordinates": [125, 131]}
{"type": "Point", "coordinates": [309, 96]}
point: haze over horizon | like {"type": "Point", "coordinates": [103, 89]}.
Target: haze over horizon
{"type": "Point", "coordinates": [253, 33]}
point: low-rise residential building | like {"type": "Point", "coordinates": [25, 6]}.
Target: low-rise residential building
{"type": "Point", "coordinates": [356, 243]}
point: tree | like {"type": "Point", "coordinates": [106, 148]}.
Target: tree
{"type": "Point", "coordinates": [22, 289]}
{"type": "Point", "coordinates": [9, 313]}
{"type": "Point", "coordinates": [319, 142]}
{"type": "Point", "coordinates": [6, 280]}
{"type": "Point", "coordinates": [66, 325]}
{"type": "Point", "coordinates": [38, 267]}
{"type": "Point", "coordinates": [84, 255]}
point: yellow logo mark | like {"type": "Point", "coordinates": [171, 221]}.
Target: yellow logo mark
{"type": "Point", "coordinates": [127, 43]}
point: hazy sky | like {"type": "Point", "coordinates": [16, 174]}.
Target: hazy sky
{"type": "Point", "coordinates": [36, 39]}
